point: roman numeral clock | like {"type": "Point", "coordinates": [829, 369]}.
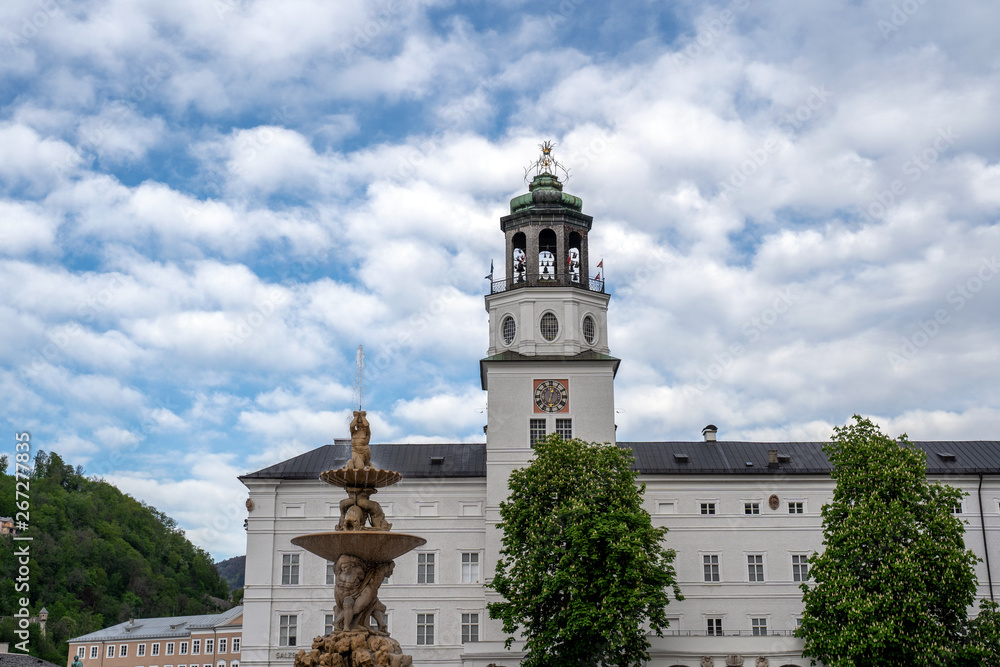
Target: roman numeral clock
{"type": "Point", "coordinates": [551, 395]}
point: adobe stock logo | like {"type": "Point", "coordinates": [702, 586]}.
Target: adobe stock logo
{"type": "Point", "coordinates": [752, 331]}
{"type": "Point", "coordinates": [959, 297]}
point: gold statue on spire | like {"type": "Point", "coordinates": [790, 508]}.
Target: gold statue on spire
{"type": "Point", "coordinates": [545, 164]}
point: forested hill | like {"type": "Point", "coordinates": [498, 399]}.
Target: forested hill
{"type": "Point", "coordinates": [98, 557]}
{"type": "Point", "coordinates": [233, 571]}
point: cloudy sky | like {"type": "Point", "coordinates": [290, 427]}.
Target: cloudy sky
{"type": "Point", "coordinates": [207, 205]}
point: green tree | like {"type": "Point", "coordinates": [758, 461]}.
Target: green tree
{"type": "Point", "coordinates": [98, 557]}
{"type": "Point", "coordinates": [894, 583]}
{"type": "Point", "coordinates": [982, 647]}
{"type": "Point", "coordinates": [582, 568]}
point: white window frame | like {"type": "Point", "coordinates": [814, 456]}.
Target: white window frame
{"type": "Point", "coordinates": [767, 624]}
{"type": "Point", "coordinates": [293, 622]}
{"type": "Point", "coordinates": [209, 646]}
{"type": "Point", "coordinates": [429, 508]}
{"type": "Point", "coordinates": [140, 650]}
{"type": "Point", "coordinates": [712, 502]}
{"type": "Point", "coordinates": [183, 648]}
{"type": "Point", "coordinates": [195, 646]}
{"type": "Point", "coordinates": [94, 652]}
{"type": "Point", "coordinates": [476, 507]}
{"type": "Point", "coordinates": [702, 555]}
{"type": "Point", "coordinates": [236, 645]}
{"type": "Point", "coordinates": [328, 622]}
{"type": "Point", "coordinates": [154, 649]}
{"type": "Point", "coordinates": [664, 503]}
{"type": "Point", "coordinates": [223, 645]}
{"type": "Point", "coordinates": [433, 567]}
{"type": "Point", "coordinates": [170, 648]}
{"type": "Point", "coordinates": [297, 568]}
{"type": "Point", "coordinates": [722, 623]}
{"type": "Point", "coordinates": [111, 651]}
{"type": "Point", "coordinates": [801, 501]}
{"type": "Point", "coordinates": [763, 566]}
{"type": "Point", "coordinates": [292, 511]}
{"type": "Point", "coordinates": [433, 613]}
{"type": "Point", "coordinates": [751, 502]}
{"type": "Point", "coordinates": [532, 422]}
{"type": "Point", "coordinates": [479, 567]}
{"type": "Point", "coordinates": [123, 651]}
{"type": "Point", "coordinates": [478, 624]}
{"type": "Point", "coordinates": [807, 565]}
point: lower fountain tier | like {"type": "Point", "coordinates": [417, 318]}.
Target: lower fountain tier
{"type": "Point", "coordinates": [374, 546]}
{"type": "Point", "coordinates": [363, 477]}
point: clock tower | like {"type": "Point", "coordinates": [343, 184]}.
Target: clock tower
{"type": "Point", "coordinates": [548, 368]}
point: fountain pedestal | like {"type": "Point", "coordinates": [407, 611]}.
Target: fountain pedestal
{"type": "Point", "coordinates": [363, 551]}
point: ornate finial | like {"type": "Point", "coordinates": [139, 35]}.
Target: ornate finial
{"type": "Point", "coordinates": [545, 164]}
{"type": "Point", "coordinates": [359, 378]}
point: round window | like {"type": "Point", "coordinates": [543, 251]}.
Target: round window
{"type": "Point", "coordinates": [550, 327]}
{"type": "Point", "coordinates": [589, 330]}
{"type": "Point", "coordinates": [508, 329]}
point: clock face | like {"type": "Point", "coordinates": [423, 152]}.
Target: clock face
{"type": "Point", "coordinates": [551, 396]}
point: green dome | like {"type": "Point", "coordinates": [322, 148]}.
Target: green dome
{"type": "Point", "coordinates": [545, 188]}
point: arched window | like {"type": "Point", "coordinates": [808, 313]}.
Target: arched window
{"type": "Point", "coordinates": [573, 257]}
{"type": "Point", "coordinates": [547, 254]}
{"type": "Point", "coordinates": [519, 257]}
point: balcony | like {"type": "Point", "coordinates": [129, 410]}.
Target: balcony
{"type": "Point", "coordinates": [546, 280]}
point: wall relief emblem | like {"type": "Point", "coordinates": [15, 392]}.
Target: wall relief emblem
{"type": "Point", "coordinates": [773, 502]}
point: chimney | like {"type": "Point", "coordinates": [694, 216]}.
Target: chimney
{"type": "Point", "coordinates": [709, 432]}
{"type": "Point", "coordinates": [772, 458]}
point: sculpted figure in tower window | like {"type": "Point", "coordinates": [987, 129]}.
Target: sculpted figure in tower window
{"type": "Point", "coordinates": [520, 266]}
{"type": "Point", "coordinates": [573, 263]}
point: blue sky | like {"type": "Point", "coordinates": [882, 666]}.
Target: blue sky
{"type": "Point", "coordinates": [207, 205]}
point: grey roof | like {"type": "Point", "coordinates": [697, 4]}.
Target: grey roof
{"type": "Point", "coordinates": [510, 355]}
{"type": "Point", "coordinates": [23, 660]}
{"type": "Point", "coordinates": [410, 460]}
{"type": "Point", "coordinates": [803, 458]}
{"type": "Point", "coordinates": [166, 626]}
{"type": "Point", "coordinates": [651, 458]}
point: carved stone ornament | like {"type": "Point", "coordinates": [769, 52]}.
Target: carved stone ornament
{"type": "Point", "coordinates": [707, 661]}
{"type": "Point", "coordinates": [773, 501]}
{"type": "Point", "coordinates": [250, 505]}
{"type": "Point", "coordinates": [762, 662]}
{"type": "Point", "coordinates": [734, 660]}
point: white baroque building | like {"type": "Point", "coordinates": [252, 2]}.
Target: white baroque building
{"type": "Point", "coordinates": [743, 516]}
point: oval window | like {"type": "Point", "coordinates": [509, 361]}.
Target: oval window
{"type": "Point", "coordinates": [508, 329]}
{"type": "Point", "coordinates": [589, 330]}
{"type": "Point", "coordinates": [549, 327]}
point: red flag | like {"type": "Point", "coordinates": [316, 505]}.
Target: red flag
{"type": "Point", "coordinates": [600, 264]}
{"type": "Point", "coordinates": [598, 276]}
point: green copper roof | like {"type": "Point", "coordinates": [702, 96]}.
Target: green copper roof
{"type": "Point", "coordinates": [545, 188]}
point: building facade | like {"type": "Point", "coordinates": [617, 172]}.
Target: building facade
{"type": "Point", "coordinates": [209, 640]}
{"type": "Point", "coordinates": [743, 516]}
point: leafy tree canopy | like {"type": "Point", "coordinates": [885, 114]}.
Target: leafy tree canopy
{"type": "Point", "coordinates": [895, 581]}
{"type": "Point", "coordinates": [582, 568]}
{"type": "Point", "coordinates": [98, 557]}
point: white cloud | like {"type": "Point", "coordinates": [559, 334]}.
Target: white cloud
{"type": "Point", "coordinates": [25, 227]}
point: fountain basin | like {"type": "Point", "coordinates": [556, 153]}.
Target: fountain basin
{"type": "Point", "coordinates": [375, 546]}
{"type": "Point", "coordinates": [366, 478]}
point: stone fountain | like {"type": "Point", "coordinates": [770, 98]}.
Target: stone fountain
{"type": "Point", "coordinates": [362, 549]}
